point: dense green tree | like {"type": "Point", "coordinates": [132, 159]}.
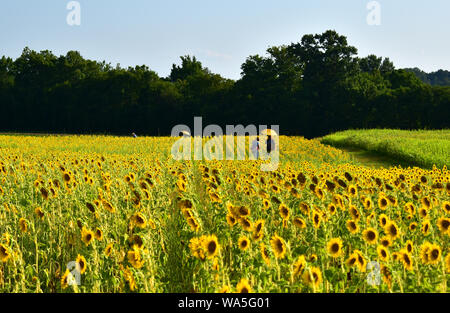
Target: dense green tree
{"type": "Point", "coordinates": [308, 88]}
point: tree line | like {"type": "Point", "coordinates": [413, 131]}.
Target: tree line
{"type": "Point", "coordinates": [437, 78]}
{"type": "Point", "coordinates": [310, 88]}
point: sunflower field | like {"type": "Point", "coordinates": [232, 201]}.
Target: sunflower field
{"type": "Point", "coordinates": [129, 218]}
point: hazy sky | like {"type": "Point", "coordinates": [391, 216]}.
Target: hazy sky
{"type": "Point", "coordinates": [221, 34]}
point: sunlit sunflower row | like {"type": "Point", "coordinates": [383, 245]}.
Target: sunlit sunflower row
{"type": "Point", "coordinates": [112, 214]}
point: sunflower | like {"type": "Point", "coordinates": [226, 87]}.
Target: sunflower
{"type": "Point", "coordinates": [434, 254]}
{"type": "Point", "coordinates": [211, 246]}
{"type": "Point", "coordinates": [312, 277]}
{"type": "Point", "coordinates": [224, 289]}
{"type": "Point", "coordinates": [192, 222]}
{"type": "Point", "coordinates": [90, 207]}
{"type": "Point", "coordinates": [368, 204]}
{"type": "Point", "coordinates": [299, 265]}
{"type": "Point", "coordinates": [278, 246]}
{"type": "Point", "coordinates": [406, 259]}
{"type": "Point", "coordinates": [352, 260]}
{"type": "Point", "coordinates": [383, 202]}
{"type": "Point", "coordinates": [370, 217]}
{"type": "Point", "coordinates": [319, 192]}
{"type": "Point", "coordinates": [81, 264]}
{"type": "Point", "coordinates": [65, 279]}
{"type": "Point", "coordinates": [357, 259]}
{"type": "Point", "coordinates": [316, 217]}
{"type": "Point", "coordinates": [108, 206]}
{"type": "Point", "coordinates": [284, 211]}
{"type": "Point", "coordinates": [443, 224]}
{"type": "Point", "coordinates": [129, 278]}
{"type": "Point", "coordinates": [386, 275]}
{"type": "Point", "coordinates": [334, 247]}
{"type": "Point", "coordinates": [352, 191]}
{"type": "Point", "coordinates": [410, 208]}
{"type": "Point", "coordinates": [136, 241]}
{"type": "Point", "coordinates": [259, 226]}
{"type": "Point", "coordinates": [299, 222]}
{"type": "Point", "coordinates": [447, 263]}
{"type": "Point", "coordinates": [242, 211]}
{"type": "Point", "coordinates": [231, 220]}
{"type": "Point", "coordinates": [196, 247]}
{"type": "Point", "coordinates": [264, 253]}
{"type": "Point", "coordinates": [312, 258]}
{"type": "Point", "coordinates": [266, 204]}
{"type": "Point", "coordinates": [4, 253]}
{"type": "Point", "coordinates": [354, 213]}
{"type": "Point", "coordinates": [446, 204]}
{"type": "Point", "coordinates": [67, 177]}
{"type": "Point", "coordinates": [108, 250]}
{"type": "Point", "coordinates": [352, 226]}
{"type": "Point", "coordinates": [23, 225]}
{"type": "Point", "coordinates": [332, 208]}
{"type": "Point", "coordinates": [243, 286]}
{"type": "Point", "coordinates": [385, 241]}
{"type": "Point", "coordinates": [86, 236]}
{"type": "Point", "coordinates": [38, 211]}
{"type": "Point", "coordinates": [423, 212]}
{"type": "Point", "coordinates": [412, 226]}
{"type": "Point", "coordinates": [426, 202]}
{"type": "Point", "coordinates": [134, 258]}
{"type": "Point", "coordinates": [243, 243]}
{"type": "Point", "coordinates": [304, 208]}
{"type": "Point", "coordinates": [98, 234]}
{"type": "Point", "coordinates": [370, 235]}
{"type": "Point", "coordinates": [383, 253]}
{"type": "Point", "coordinates": [409, 246]}
{"type": "Point", "coordinates": [139, 220]}
{"type": "Point", "coordinates": [392, 230]}
{"type": "Point", "coordinates": [187, 213]}
{"type": "Point", "coordinates": [245, 223]}
{"type": "Point", "coordinates": [44, 193]}
{"type": "Point", "coordinates": [275, 188]}
{"type": "Point", "coordinates": [383, 219]}
{"type": "Point", "coordinates": [426, 226]}
{"type": "Point", "coordinates": [424, 252]}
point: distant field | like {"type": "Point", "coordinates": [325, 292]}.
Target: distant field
{"type": "Point", "coordinates": [423, 148]}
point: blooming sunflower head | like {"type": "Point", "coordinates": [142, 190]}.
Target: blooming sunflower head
{"type": "Point", "coordinates": [334, 247]}
{"type": "Point", "coordinates": [278, 246]}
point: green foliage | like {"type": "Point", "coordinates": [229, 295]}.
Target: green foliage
{"type": "Point", "coordinates": [310, 88]}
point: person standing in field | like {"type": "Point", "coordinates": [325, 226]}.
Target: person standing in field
{"type": "Point", "coordinates": [256, 147]}
{"type": "Point", "coordinates": [270, 144]}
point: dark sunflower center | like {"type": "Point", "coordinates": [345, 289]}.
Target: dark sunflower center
{"type": "Point", "coordinates": [393, 230]}
{"type": "Point", "coordinates": [212, 247]}
{"type": "Point", "coordinates": [335, 248]}
{"type": "Point", "coordinates": [279, 245]}
{"type": "Point", "coordinates": [434, 254]}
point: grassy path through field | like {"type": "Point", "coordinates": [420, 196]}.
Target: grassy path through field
{"type": "Point", "coordinates": [372, 159]}
{"type": "Point", "coordinates": [422, 148]}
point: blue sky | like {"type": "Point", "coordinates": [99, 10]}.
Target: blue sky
{"type": "Point", "coordinates": [221, 34]}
